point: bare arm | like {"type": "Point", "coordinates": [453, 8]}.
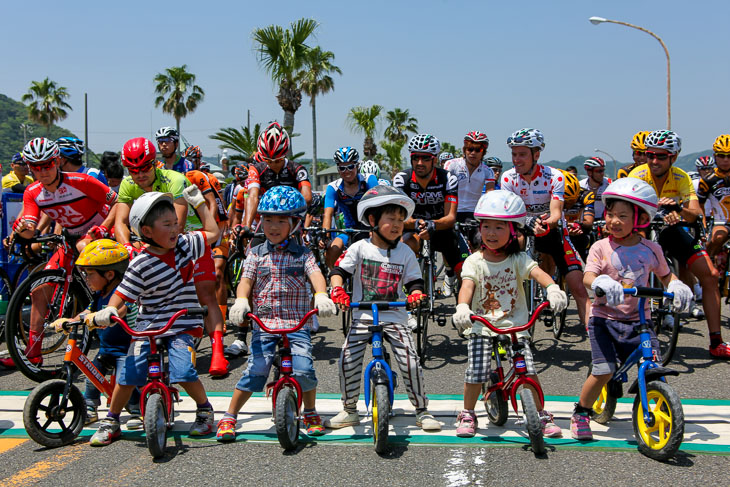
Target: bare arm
{"type": "Point", "coordinates": [319, 284]}
{"type": "Point", "coordinates": [181, 210]}
{"type": "Point", "coordinates": [556, 212]}
{"type": "Point", "coordinates": [210, 226]}
{"type": "Point", "coordinates": [466, 293]}
{"type": "Point", "coordinates": [542, 277]}
{"type": "Point", "coordinates": [252, 203]}
{"type": "Point", "coordinates": [121, 222]}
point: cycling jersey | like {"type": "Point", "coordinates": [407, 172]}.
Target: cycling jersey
{"type": "Point", "coordinates": [335, 196]}
{"type": "Point", "coordinates": [240, 199]}
{"type": "Point", "coordinates": [625, 170]}
{"type": "Point", "coordinates": [471, 184]}
{"type": "Point", "coordinates": [182, 165]}
{"type": "Point", "coordinates": [430, 201]}
{"type": "Point", "coordinates": [714, 194]}
{"type": "Point", "coordinates": [384, 182]}
{"type": "Point", "coordinates": [92, 171]}
{"type": "Point", "coordinates": [166, 181]}
{"type": "Point", "coordinates": [598, 206]}
{"type": "Point", "coordinates": [546, 185]}
{"type": "Point", "coordinates": [293, 174]}
{"type": "Point", "coordinates": [584, 206]}
{"type": "Point", "coordinates": [79, 202]}
{"type": "Point", "coordinates": [677, 186]}
{"type": "Point", "coordinates": [205, 183]}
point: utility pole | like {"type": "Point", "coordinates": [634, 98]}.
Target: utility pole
{"type": "Point", "coordinates": [86, 128]}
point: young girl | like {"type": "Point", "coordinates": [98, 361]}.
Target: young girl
{"type": "Point", "coordinates": [624, 259]}
{"type": "Point", "coordinates": [492, 286]}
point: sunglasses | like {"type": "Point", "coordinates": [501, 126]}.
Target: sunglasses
{"type": "Point", "coordinates": [639, 152]}
{"type": "Point", "coordinates": [720, 155]}
{"type": "Point", "coordinates": [348, 167]}
{"type": "Point", "coordinates": [43, 167]}
{"type": "Point", "coordinates": [273, 161]}
{"type": "Point", "coordinates": [421, 157]}
{"type": "Point", "coordinates": [164, 140]}
{"type": "Point", "coordinates": [473, 149]}
{"type": "Point", "coordinates": [137, 170]}
{"type": "Point", "coordinates": [658, 157]}
{"type": "Point", "coordinates": [596, 169]}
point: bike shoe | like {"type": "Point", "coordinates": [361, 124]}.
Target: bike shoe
{"type": "Point", "coordinates": [236, 349]}
{"type": "Point", "coordinates": [549, 428]}
{"type": "Point", "coordinates": [134, 423]}
{"type": "Point", "coordinates": [9, 364]}
{"type": "Point", "coordinates": [343, 419]}
{"type": "Point", "coordinates": [226, 430]}
{"type": "Point", "coordinates": [91, 416]}
{"type": "Point", "coordinates": [468, 423]}
{"type": "Point", "coordinates": [412, 322]}
{"type": "Point", "coordinates": [721, 351]}
{"type": "Point", "coordinates": [313, 423]}
{"type": "Point", "coordinates": [203, 424]}
{"type": "Point", "coordinates": [448, 287]}
{"type": "Point", "coordinates": [427, 422]}
{"type": "Point", "coordinates": [108, 431]}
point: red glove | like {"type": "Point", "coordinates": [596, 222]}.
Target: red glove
{"type": "Point", "coordinates": [414, 299]}
{"type": "Point", "coordinates": [339, 296]}
{"type": "Point", "coordinates": [98, 231]}
{"type": "Point", "coordinates": [133, 251]}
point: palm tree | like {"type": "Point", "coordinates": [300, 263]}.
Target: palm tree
{"type": "Point", "coordinates": [282, 53]}
{"type": "Point", "coordinates": [177, 92]}
{"type": "Point", "coordinates": [393, 154]}
{"type": "Point", "coordinates": [448, 147]}
{"type": "Point", "coordinates": [46, 103]}
{"type": "Point", "coordinates": [364, 120]}
{"type": "Point", "coordinates": [316, 80]}
{"type": "Point", "coordinates": [242, 141]}
{"type": "Point", "coordinates": [400, 123]}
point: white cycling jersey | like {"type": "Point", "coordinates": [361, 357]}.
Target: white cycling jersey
{"type": "Point", "coordinates": [471, 185]}
{"type": "Point", "coordinates": [547, 184]}
{"type": "Point", "coordinates": [598, 205]}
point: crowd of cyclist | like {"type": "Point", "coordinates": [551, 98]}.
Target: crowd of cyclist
{"type": "Point", "coordinates": [425, 202]}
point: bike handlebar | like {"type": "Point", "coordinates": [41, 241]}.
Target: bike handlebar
{"type": "Point", "coordinates": [513, 329]}
{"type": "Point", "coordinates": [150, 333]}
{"type": "Point", "coordinates": [380, 305]}
{"type": "Point", "coordinates": [283, 331]}
{"type": "Point", "coordinates": [641, 292]}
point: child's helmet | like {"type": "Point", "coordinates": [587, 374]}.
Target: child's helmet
{"type": "Point", "coordinates": [104, 255]}
{"type": "Point", "coordinates": [379, 196]}
{"type": "Point", "coordinates": [142, 206]}
{"type": "Point", "coordinates": [634, 191]}
{"type": "Point", "coordinates": [283, 200]}
{"type": "Point", "coordinates": [501, 205]}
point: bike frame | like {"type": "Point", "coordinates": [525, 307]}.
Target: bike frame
{"type": "Point", "coordinates": [76, 356]}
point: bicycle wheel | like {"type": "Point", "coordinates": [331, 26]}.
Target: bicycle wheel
{"type": "Point", "coordinates": [381, 417]}
{"type": "Point", "coordinates": [234, 267]}
{"type": "Point", "coordinates": [496, 404]}
{"type": "Point", "coordinates": [661, 439]}
{"type": "Point", "coordinates": [46, 422]}
{"type": "Point", "coordinates": [532, 420]}
{"type": "Point", "coordinates": [667, 334]}
{"type": "Point", "coordinates": [6, 290]}
{"type": "Point", "coordinates": [423, 312]}
{"type": "Point", "coordinates": [17, 324]}
{"type": "Point", "coordinates": [155, 425]}
{"type": "Point", "coordinates": [287, 418]}
{"type": "Point", "coordinates": [605, 406]}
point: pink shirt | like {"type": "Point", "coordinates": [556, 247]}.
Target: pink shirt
{"type": "Point", "coordinates": [629, 265]}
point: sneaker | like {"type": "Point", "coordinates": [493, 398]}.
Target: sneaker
{"type": "Point", "coordinates": [108, 431]}
{"type": "Point", "coordinates": [226, 429]}
{"type": "Point", "coordinates": [134, 423]}
{"type": "Point", "coordinates": [721, 351]}
{"type": "Point", "coordinates": [203, 424]}
{"type": "Point", "coordinates": [697, 311]}
{"type": "Point", "coordinates": [313, 423]}
{"type": "Point", "coordinates": [580, 427]}
{"type": "Point", "coordinates": [91, 416]}
{"type": "Point", "coordinates": [236, 349]}
{"type": "Point", "coordinates": [467, 425]}
{"type": "Point", "coordinates": [343, 419]}
{"type": "Point", "coordinates": [549, 428]}
{"type": "Point", "coordinates": [9, 364]}
{"type": "Point", "coordinates": [427, 422]}
{"type": "Point", "coordinates": [412, 321]}
{"type": "Point", "coordinates": [448, 287]}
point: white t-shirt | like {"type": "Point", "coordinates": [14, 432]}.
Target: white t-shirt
{"type": "Point", "coordinates": [377, 277]}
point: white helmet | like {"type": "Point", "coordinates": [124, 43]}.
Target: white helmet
{"type": "Point", "coordinates": [167, 132]}
{"type": "Point", "coordinates": [527, 138]}
{"type": "Point", "coordinates": [142, 207]}
{"type": "Point", "coordinates": [634, 191]}
{"type": "Point", "coordinates": [370, 167]}
{"type": "Point", "coordinates": [380, 196]}
{"type": "Point", "coordinates": [424, 143]}
{"type": "Point", "coordinates": [40, 150]}
{"type": "Point", "coordinates": [501, 205]}
{"type": "Point", "coordinates": [664, 139]}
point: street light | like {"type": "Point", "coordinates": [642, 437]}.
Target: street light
{"type": "Point", "coordinates": [615, 171]}
{"type": "Point", "coordinates": [600, 20]}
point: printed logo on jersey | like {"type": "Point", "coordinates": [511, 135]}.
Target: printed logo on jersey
{"type": "Point", "coordinates": [380, 280]}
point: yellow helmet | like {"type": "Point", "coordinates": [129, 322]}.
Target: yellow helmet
{"type": "Point", "coordinates": [104, 254]}
{"type": "Point", "coordinates": [722, 144]}
{"type": "Point", "coordinates": [637, 143]}
{"type": "Point", "coordinates": [572, 189]}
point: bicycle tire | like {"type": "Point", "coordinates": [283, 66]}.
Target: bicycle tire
{"type": "Point", "coordinates": [287, 418]}
{"type": "Point", "coordinates": [6, 291]}
{"type": "Point", "coordinates": [667, 337]}
{"type": "Point", "coordinates": [347, 314]}
{"type": "Point", "coordinates": [155, 425]}
{"type": "Point", "coordinates": [381, 417]}
{"type": "Point", "coordinates": [496, 405]}
{"type": "Point", "coordinates": [26, 269]}
{"type": "Point", "coordinates": [17, 325]}
{"type": "Point", "coordinates": [42, 418]}
{"type": "Point", "coordinates": [234, 267]}
{"type": "Point", "coordinates": [423, 312]}
{"type": "Point", "coordinates": [660, 441]}
{"type": "Point", "coordinates": [532, 420]}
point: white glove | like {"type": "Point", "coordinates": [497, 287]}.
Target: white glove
{"type": "Point", "coordinates": [462, 317]}
{"type": "Point", "coordinates": [682, 295]}
{"type": "Point", "coordinates": [193, 196]}
{"type": "Point", "coordinates": [58, 325]}
{"type": "Point", "coordinates": [241, 307]}
{"type": "Point", "coordinates": [101, 319]}
{"type": "Point", "coordinates": [324, 304]}
{"type": "Point", "coordinates": [557, 297]}
{"type": "Point", "coordinates": [613, 289]}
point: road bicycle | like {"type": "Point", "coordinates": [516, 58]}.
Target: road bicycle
{"type": "Point", "coordinates": [425, 311]}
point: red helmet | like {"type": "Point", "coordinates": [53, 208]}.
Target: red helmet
{"type": "Point", "coordinates": [477, 137]}
{"type": "Point", "coordinates": [594, 162]}
{"type": "Point", "coordinates": [273, 142]}
{"type": "Point", "coordinates": [257, 157]}
{"type": "Point", "coordinates": [138, 152]}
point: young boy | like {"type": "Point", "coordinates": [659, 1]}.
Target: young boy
{"type": "Point", "coordinates": [160, 280]}
{"type": "Point", "coordinates": [380, 267]}
{"type": "Point", "coordinates": [277, 272]}
{"type": "Point", "coordinates": [624, 259]}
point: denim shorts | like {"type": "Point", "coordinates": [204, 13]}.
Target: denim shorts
{"type": "Point", "coordinates": [263, 347]}
{"type": "Point", "coordinates": [181, 361]}
{"type": "Point", "coordinates": [613, 341]}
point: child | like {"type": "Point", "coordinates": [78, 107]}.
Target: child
{"type": "Point", "coordinates": [160, 278]}
{"type": "Point", "coordinates": [492, 285]}
{"type": "Point", "coordinates": [624, 259]}
{"type": "Point", "coordinates": [277, 271]}
{"type": "Point", "coordinates": [380, 267]}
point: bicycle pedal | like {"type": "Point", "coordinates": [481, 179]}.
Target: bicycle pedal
{"type": "Point", "coordinates": [441, 321]}
{"type": "Point", "coordinates": [520, 421]}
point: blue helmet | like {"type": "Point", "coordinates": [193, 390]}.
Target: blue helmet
{"type": "Point", "coordinates": [17, 158]}
{"type": "Point", "coordinates": [346, 154]}
{"type": "Point", "coordinates": [70, 147]}
{"type": "Point", "coordinates": [283, 200]}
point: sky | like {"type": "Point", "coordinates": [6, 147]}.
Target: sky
{"type": "Point", "coordinates": [456, 65]}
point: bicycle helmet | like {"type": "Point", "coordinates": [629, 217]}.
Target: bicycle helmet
{"type": "Point", "coordinates": [493, 162]}
{"type": "Point", "coordinates": [705, 162]}
{"type": "Point", "coordinates": [637, 142]}
{"type": "Point", "coordinates": [634, 191]}
{"type": "Point", "coordinates": [425, 144]}
{"type": "Point", "coordinates": [664, 139]}
{"type": "Point", "coordinates": [205, 167]}
{"type": "Point", "coordinates": [722, 144]}
{"type": "Point", "coordinates": [593, 163]}
{"type": "Point", "coordinates": [256, 157]}
{"type": "Point", "coordinates": [273, 143]}
{"type": "Point", "coordinates": [240, 172]}
{"type": "Point", "coordinates": [138, 153]}
{"type": "Point", "coordinates": [346, 154]}
{"type": "Point", "coordinates": [532, 138]}
{"type": "Point", "coordinates": [193, 152]}
{"type": "Point", "coordinates": [478, 138]}
{"type": "Point", "coordinates": [282, 200]}
{"type": "Point", "coordinates": [104, 255]}
{"type": "Point", "coordinates": [370, 167]}
{"type": "Point", "coordinates": [376, 198]}
{"type": "Point", "coordinates": [16, 159]}
{"type": "Point", "coordinates": [142, 207]}
{"type": "Point", "coordinates": [572, 189]}
{"type": "Point", "coordinates": [70, 147]}
{"type": "Point", "coordinates": [501, 205]}
{"type": "Point", "coordinates": [445, 156]}
{"type": "Point", "coordinates": [167, 132]}
{"type": "Point", "coordinates": [40, 150]}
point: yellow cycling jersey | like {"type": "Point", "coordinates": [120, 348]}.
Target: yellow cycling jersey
{"type": "Point", "coordinates": [678, 185]}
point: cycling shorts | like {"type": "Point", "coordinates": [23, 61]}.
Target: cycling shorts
{"type": "Point", "coordinates": [204, 268]}
{"type": "Point", "coordinates": [472, 235]}
{"type": "Point", "coordinates": [581, 243]}
{"type": "Point", "coordinates": [558, 245]}
{"type": "Point", "coordinates": [453, 247]}
{"type": "Point", "coordinates": [679, 243]}
{"type": "Point", "coordinates": [222, 250]}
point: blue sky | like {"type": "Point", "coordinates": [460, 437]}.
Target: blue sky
{"type": "Point", "coordinates": [457, 66]}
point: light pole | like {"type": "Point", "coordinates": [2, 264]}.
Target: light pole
{"type": "Point", "coordinates": [27, 129]}
{"type": "Point", "coordinates": [600, 20]}
{"type": "Point", "coordinates": [615, 171]}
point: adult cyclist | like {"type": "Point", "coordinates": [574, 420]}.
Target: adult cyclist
{"type": "Point", "coordinates": [638, 150]}
{"type": "Point", "coordinates": [495, 164]}
{"type": "Point", "coordinates": [371, 167]}
{"type": "Point", "coordinates": [70, 151]}
{"type": "Point", "coordinates": [596, 181]}
{"type": "Point", "coordinates": [443, 157]}
{"type": "Point", "coordinates": [168, 140]}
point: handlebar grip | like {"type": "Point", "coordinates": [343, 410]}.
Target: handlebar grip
{"type": "Point", "coordinates": [198, 311]}
{"type": "Point", "coordinates": [646, 292]}
{"type": "Point", "coordinates": [600, 292]}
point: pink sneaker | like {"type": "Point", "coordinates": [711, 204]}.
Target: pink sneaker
{"type": "Point", "coordinates": [549, 428]}
{"type": "Point", "coordinates": [467, 424]}
{"type": "Point", "coordinates": [580, 427]}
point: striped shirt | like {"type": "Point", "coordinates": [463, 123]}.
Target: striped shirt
{"type": "Point", "coordinates": [163, 285]}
